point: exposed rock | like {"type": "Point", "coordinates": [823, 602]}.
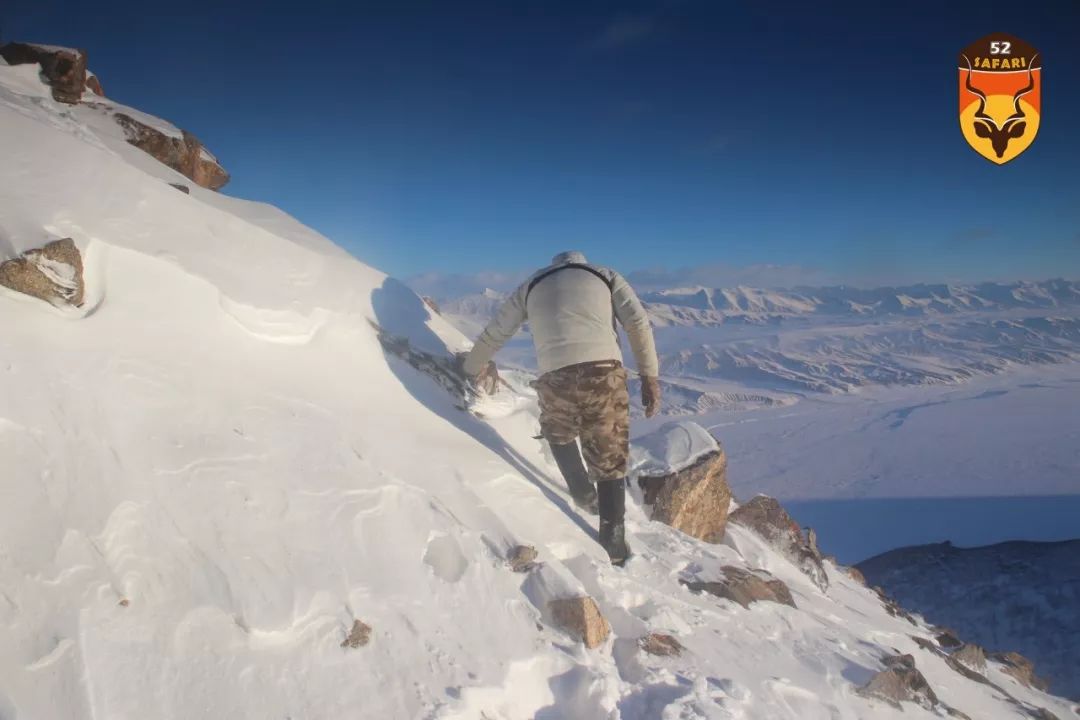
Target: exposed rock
{"type": "Point", "coordinates": [580, 617]}
{"type": "Point", "coordinates": [900, 682]}
{"type": "Point", "coordinates": [53, 273]}
{"type": "Point", "coordinates": [359, 636]}
{"type": "Point", "coordinates": [184, 154]}
{"type": "Point", "coordinates": [93, 84]}
{"type": "Point", "coordinates": [892, 607]}
{"type": "Point", "coordinates": [855, 574]}
{"type": "Point", "coordinates": [765, 516]}
{"type": "Point", "coordinates": [522, 558]}
{"type": "Point", "coordinates": [745, 587]}
{"type": "Point", "coordinates": [1020, 668]}
{"type": "Point", "coordinates": [430, 302]}
{"type": "Point", "coordinates": [63, 68]}
{"type": "Point", "coordinates": [661, 644]}
{"type": "Point", "coordinates": [971, 656]}
{"type": "Point", "coordinates": [182, 188]}
{"type": "Point", "coordinates": [948, 639]}
{"type": "Point", "coordinates": [694, 500]}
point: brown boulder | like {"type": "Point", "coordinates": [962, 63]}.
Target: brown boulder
{"type": "Point", "coordinates": [900, 682]}
{"type": "Point", "coordinates": [745, 587]}
{"type": "Point", "coordinates": [64, 68]}
{"type": "Point", "coordinates": [767, 517]}
{"type": "Point", "coordinates": [580, 617]}
{"type": "Point", "coordinates": [358, 636]}
{"type": "Point", "coordinates": [948, 639]}
{"type": "Point", "coordinates": [694, 500]}
{"type": "Point", "coordinates": [184, 154]}
{"type": "Point", "coordinates": [660, 644]}
{"type": "Point", "coordinates": [53, 273]}
{"type": "Point", "coordinates": [522, 558]}
{"type": "Point", "coordinates": [1020, 668]}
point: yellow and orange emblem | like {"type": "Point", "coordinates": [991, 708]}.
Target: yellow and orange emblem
{"type": "Point", "coordinates": [1000, 96]}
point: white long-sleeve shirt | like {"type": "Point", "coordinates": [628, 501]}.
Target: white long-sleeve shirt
{"type": "Point", "coordinates": [571, 313]}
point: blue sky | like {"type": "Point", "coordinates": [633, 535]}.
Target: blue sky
{"type": "Point", "coordinates": [820, 141]}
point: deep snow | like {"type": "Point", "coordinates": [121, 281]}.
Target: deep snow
{"type": "Point", "coordinates": [212, 468]}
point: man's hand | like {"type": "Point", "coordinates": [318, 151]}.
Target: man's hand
{"type": "Point", "coordinates": [487, 382]}
{"type": "Point", "coordinates": [650, 395]}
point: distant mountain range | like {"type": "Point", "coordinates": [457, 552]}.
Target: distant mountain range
{"type": "Point", "coordinates": [1022, 596]}
{"type": "Point", "coordinates": [838, 339]}
{"type": "Point", "coordinates": [705, 306]}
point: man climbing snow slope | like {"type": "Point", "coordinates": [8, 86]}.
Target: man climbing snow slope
{"type": "Point", "coordinates": [572, 307]}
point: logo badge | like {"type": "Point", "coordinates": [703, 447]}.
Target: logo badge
{"type": "Point", "coordinates": [1000, 96]}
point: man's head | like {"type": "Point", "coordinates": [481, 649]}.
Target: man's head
{"type": "Point", "coordinates": [570, 256]}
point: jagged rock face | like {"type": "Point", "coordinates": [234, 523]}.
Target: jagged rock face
{"type": "Point", "coordinates": [63, 68]}
{"type": "Point", "coordinates": [765, 516]}
{"type": "Point", "coordinates": [1020, 668]}
{"type": "Point", "coordinates": [53, 274]}
{"type": "Point", "coordinates": [745, 587]}
{"type": "Point", "coordinates": [900, 682]}
{"type": "Point", "coordinates": [972, 656]}
{"type": "Point", "coordinates": [581, 618]}
{"type": "Point", "coordinates": [694, 500]}
{"type": "Point", "coordinates": [186, 155]}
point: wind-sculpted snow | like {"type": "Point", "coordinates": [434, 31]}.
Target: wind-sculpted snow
{"type": "Point", "coordinates": [214, 479]}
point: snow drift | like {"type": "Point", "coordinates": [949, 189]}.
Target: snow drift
{"type": "Point", "coordinates": [211, 471]}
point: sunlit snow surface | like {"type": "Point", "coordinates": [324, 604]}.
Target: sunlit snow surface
{"type": "Point", "coordinates": [212, 469]}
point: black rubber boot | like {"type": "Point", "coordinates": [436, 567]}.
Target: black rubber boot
{"type": "Point", "coordinates": [612, 496]}
{"type": "Point", "coordinates": [568, 458]}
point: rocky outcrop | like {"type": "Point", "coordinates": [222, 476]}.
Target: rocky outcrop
{"type": "Point", "coordinates": [661, 645]}
{"type": "Point", "coordinates": [766, 517]}
{"type": "Point", "coordinates": [522, 558]}
{"type": "Point", "coordinates": [683, 480]}
{"type": "Point", "coordinates": [63, 68]}
{"type": "Point", "coordinates": [53, 273]}
{"type": "Point", "coordinates": [185, 154]}
{"type": "Point", "coordinates": [855, 574]}
{"type": "Point", "coordinates": [900, 682]}
{"type": "Point", "coordinates": [971, 656]}
{"type": "Point", "coordinates": [1018, 666]}
{"type": "Point", "coordinates": [93, 84]}
{"type": "Point", "coordinates": [358, 636]}
{"type": "Point", "coordinates": [744, 587]}
{"type": "Point", "coordinates": [581, 618]}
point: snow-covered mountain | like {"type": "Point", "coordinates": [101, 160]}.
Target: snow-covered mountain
{"type": "Point", "coordinates": [1014, 596]}
{"type": "Point", "coordinates": [836, 340]}
{"type": "Point", "coordinates": [710, 307]}
{"type": "Point", "coordinates": [222, 498]}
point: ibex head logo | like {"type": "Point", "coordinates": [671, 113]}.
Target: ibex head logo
{"type": "Point", "coordinates": [1014, 125]}
{"type": "Point", "coordinates": [1000, 96]}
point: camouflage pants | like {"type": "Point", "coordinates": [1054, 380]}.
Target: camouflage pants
{"type": "Point", "coordinates": [589, 401]}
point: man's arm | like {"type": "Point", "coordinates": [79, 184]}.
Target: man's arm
{"type": "Point", "coordinates": [632, 316]}
{"type": "Point", "coordinates": [498, 332]}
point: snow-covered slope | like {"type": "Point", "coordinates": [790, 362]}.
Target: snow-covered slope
{"type": "Point", "coordinates": [211, 470]}
{"type": "Point", "coordinates": [1015, 596]}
